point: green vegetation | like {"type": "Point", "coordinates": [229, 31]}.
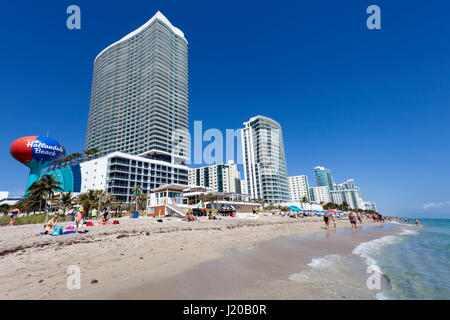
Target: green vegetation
{"type": "Point", "coordinates": [30, 219]}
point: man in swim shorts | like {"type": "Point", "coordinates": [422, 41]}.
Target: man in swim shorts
{"type": "Point", "coordinates": [352, 219]}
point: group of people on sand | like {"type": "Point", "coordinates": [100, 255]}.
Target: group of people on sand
{"type": "Point", "coordinates": [354, 218]}
{"type": "Point", "coordinates": [326, 219]}
{"type": "Point", "coordinates": [191, 217]}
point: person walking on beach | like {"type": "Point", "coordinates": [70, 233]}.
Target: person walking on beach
{"type": "Point", "coordinates": [94, 214]}
{"type": "Point", "coordinates": [13, 216]}
{"type": "Point", "coordinates": [352, 219]}
{"type": "Point", "coordinates": [334, 221]}
{"type": "Point", "coordinates": [79, 219]}
{"type": "Point", "coordinates": [327, 222]}
{"type": "Point", "coordinates": [359, 216]}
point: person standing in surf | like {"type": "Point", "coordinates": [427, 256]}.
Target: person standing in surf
{"type": "Point", "coordinates": [326, 220]}
{"type": "Point", "coordinates": [352, 219]}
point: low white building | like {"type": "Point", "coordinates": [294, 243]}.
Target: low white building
{"type": "Point", "coordinates": [368, 205]}
{"type": "Point", "coordinates": [118, 173]}
{"type": "Point", "coordinates": [218, 177]}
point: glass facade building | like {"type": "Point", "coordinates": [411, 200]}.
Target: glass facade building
{"type": "Point", "coordinates": [264, 160]}
{"type": "Point", "coordinates": [324, 178]}
{"type": "Point", "coordinates": [139, 98]}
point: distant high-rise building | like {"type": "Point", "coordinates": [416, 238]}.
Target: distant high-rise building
{"type": "Point", "coordinates": [264, 160]}
{"type": "Point", "coordinates": [299, 187]}
{"type": "Point", "coordinates": [347, 192]}
{"type": "Point", "coordinates": [320, 194]}
{"type": "Point", "coordinates": [324, 177]}
{"type": "Point", "coordinates": [368, 205]}
{"type": "Point", "coordinates": [219, 177]}
{"type": "Point", "coordinates": [139, 98]}
{"type": "Point", "coordinates": [244, 189]}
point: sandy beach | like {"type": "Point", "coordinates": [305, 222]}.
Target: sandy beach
{"type": "Point", "coordinates": [115, 260]}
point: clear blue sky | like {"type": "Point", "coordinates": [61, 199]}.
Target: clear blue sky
{"type": "Point", "coordinates": [373, 105]}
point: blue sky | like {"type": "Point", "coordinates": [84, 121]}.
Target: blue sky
{"type": "Point", "coordinates": [368, 104]}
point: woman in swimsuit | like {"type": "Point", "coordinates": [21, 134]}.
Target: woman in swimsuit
{"type": "Point", "coordinates": [13, 216]}
{"type": "Point", "coordinates": [327, 223]}
{"type": "Point", "coordinates": [50, 224]}
{"type": "Point", "coordinates": [79, 219]}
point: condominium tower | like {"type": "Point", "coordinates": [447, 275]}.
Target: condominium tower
{"type": "Point", "coordinates": [299, 188]}
{"type": "Point", "coordinates": [139, 98]}
{"type": "Point", "coordinates": [323, 177]}
{"type": "Point", "coordinates": [264, 160]}
{"type": "Point", "coordinates": [219, 177]}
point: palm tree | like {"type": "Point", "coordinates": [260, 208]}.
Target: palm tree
{"type": "Point", "coordinates": [90, 152]}
{"type": "Point", "coordinates": [44, 189]}
{"type": "Point", "coordinates": [4, 208]}
{"type": "Point", "coordinates": [88, 200]}
{"type": "Point", "coordinates": [118, 206]}
{"type": "Point", "coordinates": [65, 201]}
{"type": "Point", "coordinates": [211, 198]}
{"type": "Point", "coordinates": [108, 200]}
{"type": "Point", "coordinates": [101, 194]}
{"type": "Point", "coordinates": [77, 156]}
{"type": "Point", "coordinates": [137, 196]}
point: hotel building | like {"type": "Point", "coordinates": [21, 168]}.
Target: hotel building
{"type": "Point", "coordinates": [299, 187]}
{"type": "Point", "coordinates": [320, 194]}
{"type": "Point", "coordinates": [264, 160]}
{"type": "Point", "coordinates": [323, 177]}
{"type": "Point", "coordinates": [218, 177]}
{"type": "Point", "coordinates": [139, 98]}
{"type": "Point", "coordinates": [138, 115]}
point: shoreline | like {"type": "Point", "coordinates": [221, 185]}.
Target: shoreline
{"type": "Point", "coordinates": [135, 252]}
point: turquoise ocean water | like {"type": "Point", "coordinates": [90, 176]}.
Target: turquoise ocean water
{"type": "Point", "coordinates": [417, 261]}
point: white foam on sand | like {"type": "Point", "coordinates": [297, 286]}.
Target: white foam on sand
{"type": "Point", "coordinates": [409, 232]}
{"type": "Point", "coordinates": [321, 263]}
{"type": "Point", "coordinates": [368, 249]}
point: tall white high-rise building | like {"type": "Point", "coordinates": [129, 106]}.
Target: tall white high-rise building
{"type": "Point", "coordinates": [139, 98]}
{"type": "Point", "coordinates": [219, 177]}
{"type": "Point", "coordinates": [264, 160]}
{"type": "Point", "coordinates": [347, 192]}
{"type": "Point", "coordinates": [299, 187]}
{"type": "Point", "coordinates": [321, 194]}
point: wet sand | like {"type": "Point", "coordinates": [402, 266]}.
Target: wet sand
{"type": "Point", "coordinates": [129, 259]}
{"type": "Point", "coordinates": [318, 266]}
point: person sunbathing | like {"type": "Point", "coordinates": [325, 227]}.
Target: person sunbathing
{"type": "Point", "coordinates": [190, 217]}
{"type": "Point", "coordinates": [105, 220]}
{"type": "Point", "coordinates": [50, 224]}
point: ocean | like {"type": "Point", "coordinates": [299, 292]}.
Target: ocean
{"type": "Point", "coordinates": [391, 261]}
{"type": "Point", "coordinates": [417, 260]}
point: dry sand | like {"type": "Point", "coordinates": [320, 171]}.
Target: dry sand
{"type": "Point", "coordinates": [125, 256]}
